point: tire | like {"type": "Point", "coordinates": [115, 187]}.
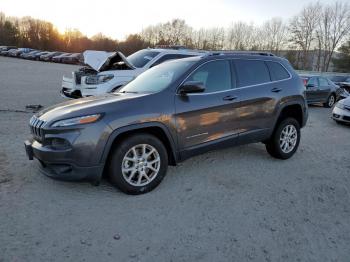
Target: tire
{"type": "Point", "coordinates": [130, 172]}
{"type": "Point", "coordinates": [276, 148]}
{"type": "Point", "coordinates": [330, 101]}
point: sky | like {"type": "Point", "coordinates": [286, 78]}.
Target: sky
{"type": "Point", "coordinates": [118, 18]}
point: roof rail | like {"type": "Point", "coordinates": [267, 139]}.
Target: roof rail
{"type": "Point", "coordinates": [176, 47]}
{"type": "Point", "coordinates": [228, 52]}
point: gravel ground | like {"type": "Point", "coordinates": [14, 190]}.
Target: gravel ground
{"type": "Point", "coordinates": [237, 204]}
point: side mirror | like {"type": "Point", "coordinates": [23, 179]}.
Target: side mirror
{"type": "Point", "coordinates": [310, 85]}
{"type": "Point", "coordinates": [191, 87]}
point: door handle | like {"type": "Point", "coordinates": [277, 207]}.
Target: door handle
{"type": "Point", "coordinates": [276, 89]}
{"type": "Point", "coordinates": [229, 98]}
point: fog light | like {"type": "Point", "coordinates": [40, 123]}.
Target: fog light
{"type": "Point", "coordinates": [59, 143]}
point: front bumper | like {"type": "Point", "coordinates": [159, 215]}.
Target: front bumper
{"type": "Point", "coordinates": [50, 164]}
{"type": "Point", "coordinates": [342, 115]}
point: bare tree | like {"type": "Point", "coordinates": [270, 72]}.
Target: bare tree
{"type": "Point", "coordinates": [274, 34]}
{"type": "Point", "coordinates": [333, 26]}
{"type": "Point", "coordinates": [240, 36]}
{"type": "Point", "coordinates": [302, 29]}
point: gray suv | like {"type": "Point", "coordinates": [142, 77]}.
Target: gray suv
{"type": "Point", "coordinates": [169, 113]}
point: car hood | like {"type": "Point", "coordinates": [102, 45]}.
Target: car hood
{"type": "Point", "coordinates": [345, 101]}
{"type": "Point", "coordinates": [83, 106]}
{"type": "Point", "coordinates": [99, 60]}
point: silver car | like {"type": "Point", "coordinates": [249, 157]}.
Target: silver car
{"type": "Point", "coordinates": [341, 111]}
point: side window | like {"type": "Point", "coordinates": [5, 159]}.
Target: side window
{"type": "Point", "coordinates": [313, 81]}
{"type": "Point", "coordinates": [169, 57]}
{"type": "Point", "coordinates": [277, 71]}
{"type": "Point", "coordinates": [215, 75]}
{"type": "Point", "coordinates": [323, 82]}
{"type": "Point", "coordinates": [251, 72]}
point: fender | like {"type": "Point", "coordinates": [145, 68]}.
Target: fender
{"type": "Point", "coordinates": [119, 131]}
{"type": "Point", "coordinates": [300, 101]}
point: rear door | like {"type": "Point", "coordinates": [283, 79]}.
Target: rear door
{"type": "Point", "coordinates": [325, 89]}
{"type": "Point", "coordinates": [258, 94]}
{"type": "Point", "coordinates": [213, 115]}
{"type": "Point", "coordinates": [312, 90]}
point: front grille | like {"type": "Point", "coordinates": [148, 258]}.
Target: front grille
{"type": "Point", "coordinates": [346, 118]}
{"type": "Point", "coordinates": [36, 128]}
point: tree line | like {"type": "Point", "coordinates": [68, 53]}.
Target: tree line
{"type": "Point", "coordinates": [318, 28]}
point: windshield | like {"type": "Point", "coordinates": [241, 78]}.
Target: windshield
{"type": "Point", "coordinates": [141, 58]}
{"type": "Point", "coordinates": [157, 78]}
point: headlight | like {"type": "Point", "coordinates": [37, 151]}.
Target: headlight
{"type": "Point", "coordinates": [77, 120]}
{"type": "Point", "coordinates": [98, 79]}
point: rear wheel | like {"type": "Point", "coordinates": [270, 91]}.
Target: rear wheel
{"type": "Point", "coordinates": [330, 101]}
{"type": "Point", "coordinates": [138, 164]}
{"type": "Point", "coordinates": [285, 139]}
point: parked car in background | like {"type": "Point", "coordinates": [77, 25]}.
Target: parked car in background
{"type": "Point", "coordinates": [25, 55]}
{"type": "Point", "coordinates": [58, 58]}
{"type": "Point", "coordinates": [17, 52]}
{"type": "Point", "coordinates": [7, 51]}
{"type": "Point", "coordinates": [169, 113]}
{"type": "Point", "coordinates": [72, 59]}
{"type": "Point", "coordinates": [36, 56]}
{"type": "Point", "coordinates": [109, 71]}
{"type": "Point", "coordinates": [342, 81]}
{"type": "Point", "coordinates": [48, 57]}
{"type": "Point", "coordinates": [4, 49]}
{"type": "Point", "coordinates": [341, 111]}
{"type": "Point", "coordinates": [320, 89]}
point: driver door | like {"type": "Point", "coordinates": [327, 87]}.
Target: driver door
{"type": "Point", "coordinates": [202, 118]}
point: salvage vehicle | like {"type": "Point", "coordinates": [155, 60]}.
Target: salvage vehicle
{"type": "Point", "coordinates": [71, 59]}
{"type": "Point", "coordinates": [47, 57]}
{"type": "Point", "coordinates": [25, 55]}
{"type": "Point", "coordinates": [169, 113]}
{"type": "Point", "coordinates": [107, 72]}
{"type": "Point", "coordinates": [341, 111]}
{"type": "Point", "coordinates": [319, 89]}
{"type": "Point", "coordinates": [4, 49]}
{"type": "Point", "coordinates": [342, 81]}
{"type": "Point", "coordinates": [19, 51]}
{"type": "Point", "coordinates": [58, 58]}
{"type": "Point", "coordinates": [6, 52]}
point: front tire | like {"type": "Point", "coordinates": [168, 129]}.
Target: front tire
{"type": "Point", "coordinates": [330, 101]}
{"type": "Point", "coordinates": [285, 139]}
{"type": "Point", "coordinates": [138, 164]}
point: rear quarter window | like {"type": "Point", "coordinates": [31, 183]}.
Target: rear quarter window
{"type": "Point", "coordinates": [251, 72]}
{"type": "Point", "coordinates": [277, 71]}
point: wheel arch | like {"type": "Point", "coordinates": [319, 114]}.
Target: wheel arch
{"type": "Point", "coordinates": [295, 110]}
{"type": "Point", "coordinates": [157, 129]}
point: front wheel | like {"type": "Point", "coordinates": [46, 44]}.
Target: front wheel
{"type": "Point", "coordinates": [285, 139]}
{"type": "Point", "coordinates": [138, 164]}
{"type": "Point", "coordinates": [330, 101]}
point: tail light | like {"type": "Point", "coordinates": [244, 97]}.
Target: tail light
{"type": "Point", "coordinates": [304, 82]}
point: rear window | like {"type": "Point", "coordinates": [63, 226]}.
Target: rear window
{"type": "Point", "coordinates": [277, 71]}
{"type": "Point", "coordinates": [142, 57]}
{"type": "Point", "coordinates": [251, 72]}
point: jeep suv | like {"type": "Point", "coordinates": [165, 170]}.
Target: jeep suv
{"type": "Point", "coordinates": [107, 72]}
{"type": "Point", "coordinates": [169, 113]}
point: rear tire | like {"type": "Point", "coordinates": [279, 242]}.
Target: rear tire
{"type": "Point", "coordinates": [330, 101]}
{"type": "Point", "coordinates": [138, 164]}
{"type": "Point", "coordinates": [285, 139]}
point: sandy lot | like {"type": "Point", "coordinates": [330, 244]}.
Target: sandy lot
{"type": "Point", "coordinates": [236, 204]}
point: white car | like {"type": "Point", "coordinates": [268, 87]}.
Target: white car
{"type": "Point", "coordinates": [108, 71]}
